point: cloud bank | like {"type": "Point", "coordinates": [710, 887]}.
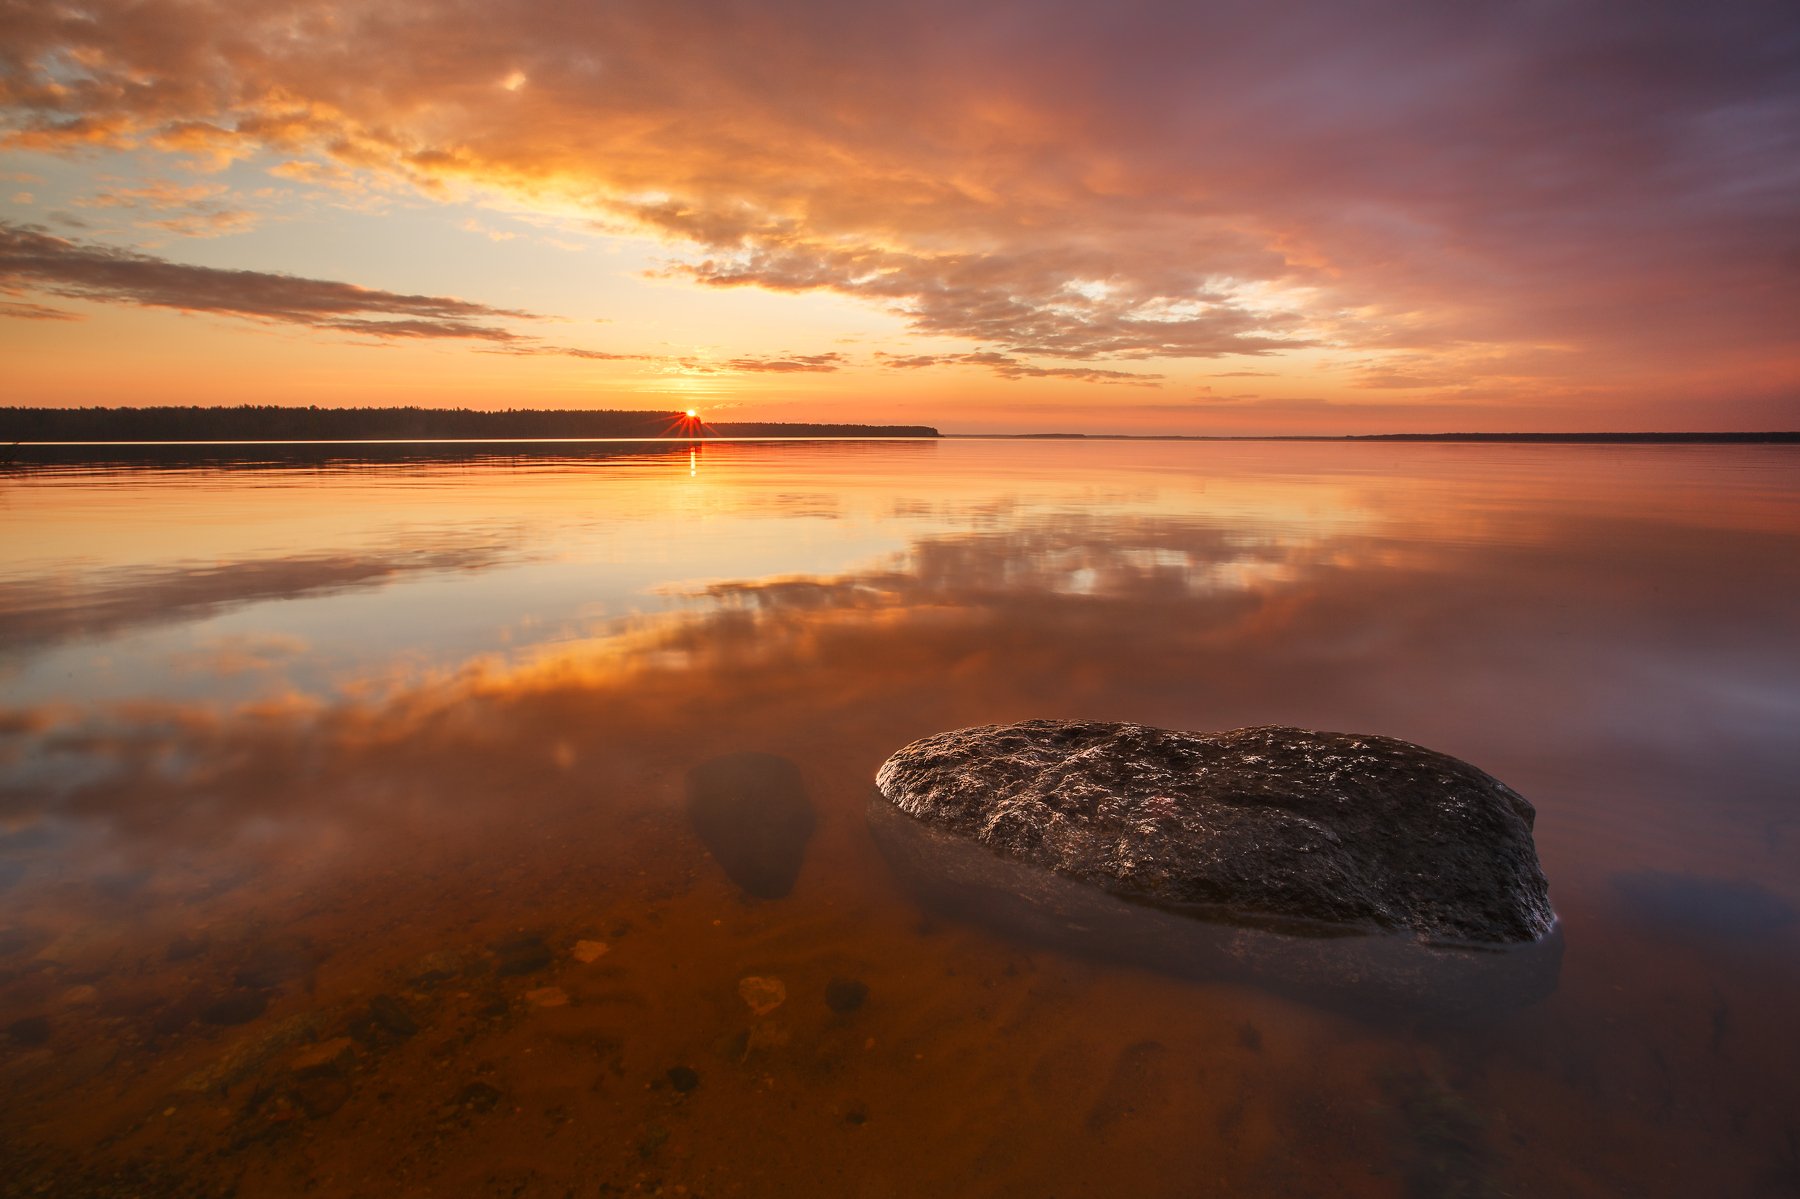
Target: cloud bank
{"type": "Point", "coordinates": [1526, 193]}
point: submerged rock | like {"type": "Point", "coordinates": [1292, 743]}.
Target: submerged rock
{"type": "Point", "coordinates": [238, 1007]}
{"type": "Point", "coordinates": [752, 812]}
{"type": "Point", "coordinates": [32, 1030]}
{"type": "Point", "coordinates": [845, 995]}
{"type": "Point", "coordinates": [392, 1016]}
{"type": "Point", "coordinates": [762, 995]}
{"type": "Point", "coordinates": [521, 955]}
{"type": "Point", "coordinates": [1362, 866]}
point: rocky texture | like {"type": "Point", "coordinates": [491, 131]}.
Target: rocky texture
{"type": "Point", "coordinates": [751, 810]}
{"type": "Point", "coordinates": [1322, 861]}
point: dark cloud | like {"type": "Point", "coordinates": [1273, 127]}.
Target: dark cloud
{"type": "Point", "coordinates": [34, 312]}
{"type": "Point", "coordinates": [777, 364]}
{"type": "Point", "coordinates": [535, 348]}
{"type": "Point", "coordinates": [32, 258]}
{"type": "Point", "coordinates": [788, 364]}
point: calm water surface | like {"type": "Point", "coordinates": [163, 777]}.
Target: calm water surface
{"type": "Point", "coordinates": [343, 847]}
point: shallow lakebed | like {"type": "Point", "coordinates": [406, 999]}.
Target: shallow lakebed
{"type": "Point", "coordinates": [345, 845]}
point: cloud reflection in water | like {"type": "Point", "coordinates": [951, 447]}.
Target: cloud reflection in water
{"type": "Point", "coordinates": [1620, 648]}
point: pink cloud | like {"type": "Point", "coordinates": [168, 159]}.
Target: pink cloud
{"type": "Point", "coordinates": [1471, 184]}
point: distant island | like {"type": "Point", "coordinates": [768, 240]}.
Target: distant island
{"type": "Point", "coordinates": [268, 422]}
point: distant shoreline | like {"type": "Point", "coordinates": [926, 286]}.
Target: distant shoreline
{"type": "Point", "coordinates": [1773, 438]}
{"type": "Point", "coordinates": [71, 429]}
{"type": "Point", "coordinates": [272, 424]}
{"type": "Point", "coordinates": [1751, 438]}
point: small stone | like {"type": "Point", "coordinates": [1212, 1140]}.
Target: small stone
{"type": "Point", "coordinates": [391, 1015]}
{"type": "Point", "coordinates": [654, 1137]}
{"type": "Point", "coordinates": [548, 997]}
{"type": "Point", "coordinates": [239, 1008]}
{"type": "Point", "coordinates": [843, 995]}
{"type": "Point", "coordinates": [80, 996]}
{"type": "Point", "coordinates": [590, 951]}
{"type": "Point", "coordinates": [325, 1053]}
{"type": "Point", "coordinates": [683, 1078]}
{"type": "Point", "coordinates": [184, 947]}
{"type": "Point", "coordinates": [857, 1115]}
{"type": "Point", "coordinates": [521, 955]}
{"type": "Point", "coordinates": [763, 995]}
{"type": "Point", "coordinates": [32, 1030]}
{"type": "Point", "coordinates": [321, 1092]}
{"type": "Point", "coordinates": [478, 1097]}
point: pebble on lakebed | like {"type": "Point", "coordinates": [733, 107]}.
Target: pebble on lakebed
{"type": "Point", "coordinates": [762, 995]}
{"type": "Point", "coordinates": [1357, 869]}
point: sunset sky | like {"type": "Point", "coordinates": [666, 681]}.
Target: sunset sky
{"type": "Point", "coordinates": [1139, 217]}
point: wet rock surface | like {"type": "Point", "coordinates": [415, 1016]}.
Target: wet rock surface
{"type": "Point", "coordinates": [1281, 823]}
{"type": "Point", "coordinates": [752, 812]}
{"type": "Point", "coordinates": [1358, 865]}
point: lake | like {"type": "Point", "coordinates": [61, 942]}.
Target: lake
{"type": "Point", "coordinates": [344, 851]}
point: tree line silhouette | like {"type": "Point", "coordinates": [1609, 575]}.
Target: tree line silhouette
{"type": "Point", "coordinates": [268, 422]}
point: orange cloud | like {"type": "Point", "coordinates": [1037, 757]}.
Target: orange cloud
{"type": "Point", "coordinates": [196, 210]}
{"type": "Point", "coordinates": [1166, 182]}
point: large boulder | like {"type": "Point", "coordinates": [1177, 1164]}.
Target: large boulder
{"type": "Point", "coordinates": [1361, 868]}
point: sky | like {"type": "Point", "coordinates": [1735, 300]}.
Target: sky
{"type": "Point", "coordinates": [1144, 217]}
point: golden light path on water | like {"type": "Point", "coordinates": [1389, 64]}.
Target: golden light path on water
{"type": "Point", "coordinates": [317, 778]}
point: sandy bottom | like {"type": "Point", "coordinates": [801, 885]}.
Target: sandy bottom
{"type": "Point", "coordinates": [557, 1006]}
